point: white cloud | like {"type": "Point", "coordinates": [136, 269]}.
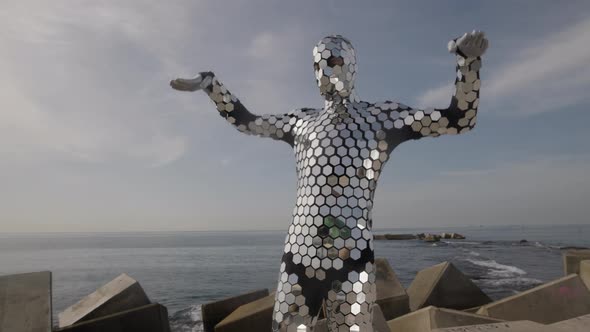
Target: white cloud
{"type": "Point", "coordinates": [545, 75]}
{"type": "Point", "coordinates": [436, 97]}
{"type": "Point", "coordinates": [75, 82]}
{"type": "Point", "coordinates": [264, 45]}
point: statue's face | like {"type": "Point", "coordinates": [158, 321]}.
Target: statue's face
{"type": "Point", "coordinates": [334, 62]}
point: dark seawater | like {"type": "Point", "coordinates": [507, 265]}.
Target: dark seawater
{"type": "Point", "coordinates": [184, 269]}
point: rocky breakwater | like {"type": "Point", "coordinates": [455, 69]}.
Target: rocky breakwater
{"type": "Point", "coordinates": [120, 305]}
{"type": "Point", "coordinates": [426, 237]}
{"type": "Point", "coordinates": [440, 298]}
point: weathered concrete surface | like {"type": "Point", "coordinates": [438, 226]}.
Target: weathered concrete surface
{"type": "Point", "coordinates": [391, 295]}
{"type": "Point", "coordinates": [379, 322]}
{"type": "Point", "coordinates": [121, 293]}
{"type": "Point", "coordinates": [578, 324]}
{"type": "Point", "coordinates": [214, 312]}
{"type": "Point", "coordinates": [585, 272]}
{"type": "Point", "coordinates": [430, 318]}
{"type": "Point", "coordinates": [444, 286]}
{"type": "Point", "coordinates": [148, 318]}
{"type": "Point", "coordinates": [555, 301]}
{"type": "Point", "coordinates": [519, 326]}
{"type": "Point", "coordinates": [572, 258]}
{"type": "Point", "coordinates": [472, 310]}
{"type": "Point", "coordinates": [25, 302]}
{"type": "Point", "coordinates": [256, 315]}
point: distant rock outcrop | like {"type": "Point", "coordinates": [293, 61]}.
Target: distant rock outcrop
{"type": "Point", "coordinates": [395, 236]}
{"type": "Point", "coordinates": [421, 236]}
{"type": "Point", "coordinates": [455, 236]}
{"type": "Point", "coordinates": [431, 238]}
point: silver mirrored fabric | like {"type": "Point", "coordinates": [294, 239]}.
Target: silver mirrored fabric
{"type": "Point", "coordinates": [340, 152]}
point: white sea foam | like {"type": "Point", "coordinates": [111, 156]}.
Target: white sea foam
{"type": "Point", "coordinates": [460, 242]}
{"type": "Point", "coordinates": [503, 276]}
{"type": "Point", "coordinates": [519, 282]}
{"type": "Point", "coordinates": [473, 253]}
{"type": "Point", "coordinates": [187, 320]}
{"type": "Point", "coordinates": [497, 270]}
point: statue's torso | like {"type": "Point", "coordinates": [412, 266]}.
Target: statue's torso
{"type": "Point", "coordinates": [340, 154]}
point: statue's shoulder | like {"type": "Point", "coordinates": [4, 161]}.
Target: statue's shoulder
{"type": "Point", "coordinates": [389, 105]}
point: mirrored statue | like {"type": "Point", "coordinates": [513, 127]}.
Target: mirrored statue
{"type": "Point", "coordinates": [340, 151]}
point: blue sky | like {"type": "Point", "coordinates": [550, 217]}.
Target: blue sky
{"type": "Point", "coordinates": [93, 139]}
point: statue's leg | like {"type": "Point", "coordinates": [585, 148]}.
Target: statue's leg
{"type": "Point", "coordinates": [350, 303]}
{"type": "Point", "coordinates": [297, 300]}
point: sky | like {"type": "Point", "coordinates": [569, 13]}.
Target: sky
{"type": "Point", "coordinates": [92, 138]}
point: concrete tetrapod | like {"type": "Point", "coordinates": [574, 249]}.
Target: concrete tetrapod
{"type": "Point", "coordinates": [518, 326]}
{"type": "Point", "coordinates": [430, 318]}
{"type": "Point", "coordinates": [25, 302]}
{"type": "Point", "coordinates": [552, 302]}
{"type": "Point", "coordinates": [578, 324]}
{"type": "Point", "coordinates": [391, 295]}
{"type": "Point", "coordinates": [253, 316]}
{"type": "Point", "coordinates": [572, 258]}
{"type": "Point", "coordinates": [585, 272]}
{"type": "Point", "coordinates": [214, 312]}
{"type": "Point", "coordinates": [444, 286]}
{"type": "Point", "coordinates": [149, 318]}
{"type": "Point", "coordinates": [121, 293]}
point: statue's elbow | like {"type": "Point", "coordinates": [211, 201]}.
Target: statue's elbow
{"type": "Point", "coordinates": [470, 126]}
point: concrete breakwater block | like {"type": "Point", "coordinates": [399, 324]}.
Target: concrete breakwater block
{"type": "Point", "coordinates": [121, 293]}
{"type": "Point", "coordinates": [25, 302]}
{"type": "Point", "coordinates": [519, 326]}
{"type": "Point", "coordinates": [572, 259]}
{"type": "Point", "coordinates": [391, 295]}
{"type": "Point", "coordinates": [555, 301]}
{"type": "Point", "coordinates": [430, 318]}
{"type": "Point", "coordinates": [578, 324]}
{"type": "Point", "coordinates": [444, 286]}
{"type": "Point", "coordinates": [585, 272]}
{"type": "Point", "coordinates": [379, 322]}
{"type": "Point", "coordinates": [148, 318]}
{"type": "Point", "coordinates": [214, 312]}
{"type": "Point", "coordinates": [472, 310]}
{"type": "Point", "coordinates": [253, 316]}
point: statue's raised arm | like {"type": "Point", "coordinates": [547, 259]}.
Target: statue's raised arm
{"type": "Point", "coordinates": [276, 126]}
{"type": "Point", "coordinates": [461, 114]}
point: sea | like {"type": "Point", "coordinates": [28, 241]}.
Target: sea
{"type": "Point", "coordinates": [183, 270]}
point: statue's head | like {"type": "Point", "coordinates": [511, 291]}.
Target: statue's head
{"type": "Point", "coordinates": [334, 61]}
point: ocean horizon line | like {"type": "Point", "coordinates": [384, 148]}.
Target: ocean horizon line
{"type": "Point", "coordinates": [379, 229]}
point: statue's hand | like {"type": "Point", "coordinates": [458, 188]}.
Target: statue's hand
{"type": "Point", "coordinates": [472, 44]}
{"type": "Point", "coordinates": [190, 84]}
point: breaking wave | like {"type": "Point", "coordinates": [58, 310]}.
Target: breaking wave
{"type": "Point", "coordinates": [497, 270]}
{"type": "Point", "coordinates": [521, 282]}
{"type": "Point", "coordinates": [502, 276]}
{"type": "Point", "coordinates": [187, 320]}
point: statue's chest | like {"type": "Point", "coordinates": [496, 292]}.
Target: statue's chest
{"type": "Point", "coordinates": [339, 138]}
